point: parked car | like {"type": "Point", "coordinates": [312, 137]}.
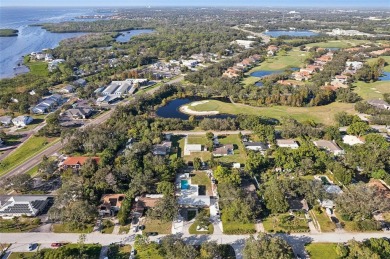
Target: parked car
{"type": "Point", "coordinates": [151, 233]}
{"type": "Point", "coordinates": [141, 227]}
{"type": "Point", "coordinates": [57, 244]}
{"type": "Point", "coordinates": [135, 229]}
{"type": "Point", "coordinates": [31, 246]}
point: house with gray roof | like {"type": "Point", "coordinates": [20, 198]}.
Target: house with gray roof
{"type": "Point", "coordinates": [22, 121]}
{"type": "Point", "coordinates": [5, 120]}
{"type": "Point", "coordinates": [380, 104]}
{"type": "Point", "coordinates": [19, 205]}
{"type": "Point", "coordinates": [256, 146]}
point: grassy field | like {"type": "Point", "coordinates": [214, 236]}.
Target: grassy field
{"type": "Point", "coordinates": [154, 225]}
{"type": "Point", "coordinates": [204, 155]}
{"type": "Point", "coordinates": [320, 114]}
{"type": "Point", "coordinates": [239, 150]}
{"type": "Point", "coordinates": [65, 228]}
{"type": "Point", "coordinates": [201, 178]}
{"type": "Point", "coordinates": [322, 250]}
{"type": "Point", "coordinates": [282, 60]}
{"type": "Point", "coordinates": [326, 224]}
{"type": "Point", "coordinates": [194, 139]}
{"type": "Point", "coordinates": [20, 225]}
{"type": "Point", "coordinates": [278, 224]}
{"type": "Point", "coordinates": [373, 90]}
{"type": "Point", "coordinates": [38, 68]}
{"type": "Point", "coordinates": [231, 227]}
{"type": "Point", "coordinates": [29, 148]}
{"type": "Point", "coordinates": [338, 43]}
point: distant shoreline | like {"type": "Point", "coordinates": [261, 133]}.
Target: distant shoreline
{"type": "Point", "coordinates": [8, 33]}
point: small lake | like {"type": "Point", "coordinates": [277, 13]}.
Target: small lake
{"type": "Point", "coordinates": [127, 35]}
{"type": "Point", "coordinates": [385, 76]}
{"type": "Point", "coordinates": [171, 110]}
{"type": "Point", "coordinates": [276, 34]}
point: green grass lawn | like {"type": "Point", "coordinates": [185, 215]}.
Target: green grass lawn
{"type": "Point", "coordinates": [65, 228]}
{"type": "Point", "coordinates": [195, 139]}
{"type": "Point", "coordinates": [372, 90]}
{"type": "Point", "coordinates": [204, 155]}
{"type": "Point", "coordinates": [124, 229]}
{"type": "Point", "coordinates": [239, 149]}
{"type": "Point", "coordinates": [322, 250]}
{"type": "Point", "coordinates": [201, 178]}
{"type": "Point", "coordinates": [108, 227]}
{"type": "Point", "coordinates": [338, 43]}
{"type": "Point", "coordinates": [38, 68]}
{"type": "Point", "coordinates": [281, 61]}
{"type": "Point", "coordinates": [192, 230]}
{"type": "Point", "coordinates": [277, 223]}
{"type": "Point", "coordinates": [386, 58]}
{"type": "Point", "coordinates": [154, 225]}
{"type": "Point", "coordinates": [320, 114]}
{"type": "Point", "coordinates": [30, 147]}
{"type": "Point", "coordinates": [326, 224]}
{"type": "Point", "coordinates": [21, 225]}
{"type": "Point", "coordinates": [232, 227]}
{"type": "Point", "coordinates": [148, 251]}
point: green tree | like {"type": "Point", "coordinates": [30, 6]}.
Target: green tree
{"type": "Point", "coordinates": [267, 246]}
{"type": "Point", "coordinates": [166, 188]}
{"type": "Point", "coordinates": [166, 209]}
{"type": "Point", "coordinates": [274, 198]}
{"type": "Point", "coordinates": [197, 163]}
{"type": "Point", "coordinates": [358, 128]}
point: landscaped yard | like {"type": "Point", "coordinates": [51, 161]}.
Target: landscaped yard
{"type": "Point", "coordinates": [320, 114]}
{"type": "Point", "coordinates": [148, 251]}
{"type": "Point", "coordinates": [286, 223]}
{"type": "Point", "coordinates": [26, 150]}
{"type": "Point", "coordinates": [20, 224]}
{"type": "Point", "coordinates": [322, 250]}
{"type": "Point", "coordinates": [107, 226]}
{"type": "Point", "coordinates": [38, 68]}
{"type": "Point", "coordinates": [196, 139]}
{"type": "Point", "coordinates": [201, 178]}
{"type": "Point", "coordinates": [124, 229]}
{"type": "Point", "coordinates": [326, 224]}
{"type": "Point", "coordinates": [232, 227]}
{"type": "Point", "coordinates": [239, 150]}
{"type": "Point", "coordinates": [204, 155]}
{"type": "Point", "coordinates": [192, 230]}
{"type": "Point", "coordinates": [66, 228]}
{"type": "Point", "coordinates": [155, 225]}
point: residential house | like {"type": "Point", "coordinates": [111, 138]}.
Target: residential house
{"type": "Point", "coordinates": [23, 205]}
{"type": "Point", "coordinates": [330, 146]}
{"type": "Point", "coordinates": [333, 189]}
{"type": "Point", "coordinates": [47, 104]}
{"type": "Point", "coordinates": [247, 44]}
{"type": "Point", "coordinates": [5, 120]}
{"type": "Point", "coordinates": [380, 104]}
{"type": "Point", "coordinates": [224, 150]}
{"type": "Point", "coordinates": [287, 143]}
{"type": "Point", "coordinates": [351, 140]}
{"type": "Point", "coordinates": [76, 162]}
{"type": "Point", "coordinates": [190, 63]}
{"type": "Point", "coordinates": [110, 204]}
{"type": "Point", "coordinates": [77, 113]}
{"type": "Point", "coordinates": [189, 148]}
{"type": "Point", "coordinates": [80, 82]}
{"type": "Point", "coordinates": [68, 89]}
{"type": "Point", "coordinates": [354, 65]}
{"type": "Point", "coordinates": [256, 146]}
{"type": "Point", "coordinates": [145, 202]}
{"type": "Point", "coordinates": [162, 149]}
{"type": "Point", "coordinates": [341, 78]}
{"type": "Point", "coordinates": [298, 205]}
{"type": "Point", "coordinates": [22, 121]}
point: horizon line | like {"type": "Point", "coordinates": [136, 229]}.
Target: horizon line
{"type": "Point", "coordinates": [210, 6]}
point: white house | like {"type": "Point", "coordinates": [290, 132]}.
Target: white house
{"type": "Point", "coordinates": [256, 146]}
{"type": "Point", "coordinates": [188, 148]}
{"type": "Point", "coordinates": [351, 140]}
{"type": "Point", "coordinates": [355, 65]}
{"type": "Point", "coordinates": [329, 146]}
{"type": "Point", "coordinates": [16, 206]}
{"type": "Point", "coordinates": [288, 143]}
{"type": "Point", "coordinates": [22, 121]}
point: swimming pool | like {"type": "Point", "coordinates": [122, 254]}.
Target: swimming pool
{"type": "Point", "coordinates": [184, 185]}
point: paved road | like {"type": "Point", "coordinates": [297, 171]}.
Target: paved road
{"type": "Point", "coordinates": [35, 160]}
{"type": "Point", "coordinates": [217, 133]}
{"type": "Point", "coordinates": [20, 241]}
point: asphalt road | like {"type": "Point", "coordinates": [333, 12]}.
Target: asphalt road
{"type": "Point", "coordinates": [36, 159]}
{"type": "Point", "coordinates": [217, 133]}
{"type": "Point", "coordinates": [20, 241]}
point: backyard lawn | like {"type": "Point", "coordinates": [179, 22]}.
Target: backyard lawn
{"type": "Point", "coordinates": [286, 223]}
{"type": "Point", "coordinates": [26, 150]}
{"type": "Point", "coordinates": [201, 178]}
{"type": "Point", "coordinates": [326, 225]}
{"type": "Point", "coordinates": [320, 114]}
{"type": "Point", "coordinates": [155, 225]}
{"type": "Point", "coordinates": [322, 250]}
{"type": "Point", "coordinates": [232, 227]}
{"type": "Point", "coordinates": [195, 139]}
{"type": "Point", "coordinates": [38, 68]}
{"type": "Point", "coordinates": [239, 150]}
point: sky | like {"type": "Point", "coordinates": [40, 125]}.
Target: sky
{"type": "Point", "coordinates": [290, 3]}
